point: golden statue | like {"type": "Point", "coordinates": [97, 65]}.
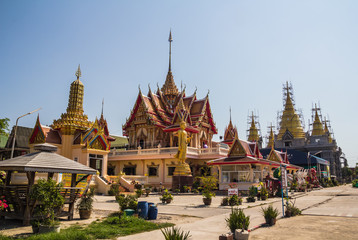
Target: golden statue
{"type": "Point", "coordinates": [182, 168]}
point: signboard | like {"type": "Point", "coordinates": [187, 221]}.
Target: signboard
{"type": "Point", "coordinates": [284, 177]}
{"type": "Point", "coordinates": [65, 178]}
{"type": "Point", "coordinates": [233, 191]}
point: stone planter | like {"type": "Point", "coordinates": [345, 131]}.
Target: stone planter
{"type": "Point", "coordinates": [84, 213]}
{"type": "Point", "coordinates": [169, 200]}
{"type": "Point", "coordinates": [263, 198]}
{"type": "Point", "coordinates": [227, 236]}
{"type": "Point", "coordinates": [239, 235]}
{"type": "Point", "coordinates": [207, 201]}
{"type": "Point", "coordinates": [47, 229]}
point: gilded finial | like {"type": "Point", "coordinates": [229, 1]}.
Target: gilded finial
{"type": "Point", "coordinates": [230, 113]}
{"type": "Point", "coordinates": [102, 108]}
{"type": "Point", "coordinates": [78, 73]}
{"type": "Point", "coordinates": [170, 50]}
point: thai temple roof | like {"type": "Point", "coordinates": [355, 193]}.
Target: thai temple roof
{"type": "Point", "coordinates": [168, 106]}
{"type": "Point", "coordinates": [290, 120]}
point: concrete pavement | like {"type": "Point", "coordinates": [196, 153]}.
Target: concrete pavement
{"type": "Point", "coordinates": [213, 223]}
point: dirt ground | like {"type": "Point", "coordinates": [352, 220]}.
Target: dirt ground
{"type": "Point", "coordinates": [309, 227]}
{"type": "Point", "coordinates": [15, 228]}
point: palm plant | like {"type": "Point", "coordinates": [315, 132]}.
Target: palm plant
{"type": "Point", "coordinates": [237, 220]}
{"type": "Point", "coordinates": [175, 233]}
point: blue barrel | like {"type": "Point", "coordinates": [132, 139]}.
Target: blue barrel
{"type": "Point", "coordinates": [142, 209]}
{"type": "Point", "coordinates": [129, 212]}
{"type": "Point", "coordinates": [152, 212]}
{"type": "Point", "coordinates": [150, 203]}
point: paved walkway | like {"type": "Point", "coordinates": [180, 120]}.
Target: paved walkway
{"type": "Point", "coordinates": [211, 227]}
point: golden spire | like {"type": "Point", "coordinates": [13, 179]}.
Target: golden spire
{"type": "Point", "coordinates": [317, 124]}
{"type": "Point", "coordinates": [74, 118]}
{"type": "Point", "coordinates": [271, 143]}
{"type": "Point", "coordinates": [290, 120]}
{"type": "Point", "coordinates": [78, 73]}
{"type": "Point", "coordinates": [253, 131]}
{"type": "Point", "coordinates": [326, 130]}
{"type": "Point", "coordinates": [169, 88]}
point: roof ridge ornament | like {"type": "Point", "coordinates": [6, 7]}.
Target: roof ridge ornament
{"type": "Point", "coordinates": [78, 72]}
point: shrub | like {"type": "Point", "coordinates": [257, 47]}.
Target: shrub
{"type": "Point", "coordinates": [165, 196]}
{"type": "Point", "coordinates": [263, 193]}
{"type": "Point", "coordinates": [269, 213]}
{"type": "Point", "coordinates": [86, 200]}
{"type": "Point", "coordinates": [225, 201]}
{"type": "Point", "coordinates": [127, 202]}
{"type": "Point", "coordinates": [291, 210]}
{"type": "Point", "coordinates": [47, 192]}
{"type": "Point", "coordinates": [175, 233]}
{"type": "Point", "coordinates": [234, 200]}
{"type": "Point", "coordinates": [114, 190]}
{"type": "Point", "coordinates": [209, 184]}
{"type": "Point", "coordinates": [237, 220]}
{"type": "Point", "coordinates": [355, 183]}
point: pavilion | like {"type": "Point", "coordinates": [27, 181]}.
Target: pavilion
{"type": "Point", "coordinates": [45, 160]}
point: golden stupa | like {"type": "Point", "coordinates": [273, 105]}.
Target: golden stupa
{"type": "Point", "coordinates": [290, 120]}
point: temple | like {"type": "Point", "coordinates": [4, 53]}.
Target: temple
{"type": "Point", "coordinates": [151, 129]}
{"type": "Point", "coordinates": [74, 135]}
{"type": "Point", "coordinates": [316, 142]}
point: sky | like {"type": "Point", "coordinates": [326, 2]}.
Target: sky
{"type": "Point", "coordinates": [241, 51]}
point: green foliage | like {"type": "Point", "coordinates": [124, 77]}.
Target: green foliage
{"type": "Point", "coordinates": [138, 192]}
{"type": "Point", "coordinates": [2, 177]}
{"type": "Point", "coordinates": [208, 184]}
{"type": "Point", "coordinates": [127, 202]}
{"type": "Point", "coordinates": [252, 191]}
{"type": "Point", "coordinates": [269, 212]}
{"type": "Point", "coordinates": [237, 220]}
{"type": "Point", "coordinates": [47, 193]}
{"type": "Point", "coordinates": [166, 195]}
{"type": "Point", "coordinates": [174, 233]}
{"type": "Point", "coordinates": [4, 126]}
{"type": "Point", "coordinates": [291, 210]}
{"type": "Point", "coordinates": [355, 183]}
{"type": "Point", "coordinates": [114, 190]}
{"type": "Point", "coordinates": [86, 200]}
{"type": "Point", "coordinates": [263, 193]}
{"type": "Point", "coordinates": [346, 172]}
{"type": "Point", "coordinates": [225, 201]}
{"type": "Point", "coordinates": [234, 200]}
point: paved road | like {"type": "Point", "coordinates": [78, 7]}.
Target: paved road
{"type": "Point", "coordinates": [336, 218]}
{"type": "Point", "coordinates": [213, 222]}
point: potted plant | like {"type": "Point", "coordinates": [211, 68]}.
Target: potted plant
{"type": "Point", "coordinates": [138, 192]}
{"type": "Point", "coordinates": [175, 233]}
{"type": "Point", "coordinates": [166, 197]}
{"type": "Point", "coordinates": [252, 194]}
{"type": "Point", "coordinates": [225, 201]}
{"type": "Point", "coordinates": [147, 191]}
{"type": "Point", "coordinates": [127, 202]}
{"type": "Point", "coordinates": [263, 193]}
{"type": "Point", "coordinates": [209, 184]}
{"type": "Point", "coordinates": [270, 214]}
{"type": "Point", "coordinates": [291, 210]}
{"type": "Point", "coordinates": [235, 200]}
{"type": "Point", "coordinates": [85, 204]}
{"type": "Point", "coordinates": [238, 223]}
{"type": "Point", "coordinates": [47, 194]}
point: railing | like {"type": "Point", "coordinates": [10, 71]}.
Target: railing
{"type": "Point", "coordinates": [170, 150]}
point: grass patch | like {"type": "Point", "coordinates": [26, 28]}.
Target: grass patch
{"type": "Point", "coordinates": [110, 228]}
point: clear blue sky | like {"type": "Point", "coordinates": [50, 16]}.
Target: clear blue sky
{"type": "Point", "coordinates": [243, 51]}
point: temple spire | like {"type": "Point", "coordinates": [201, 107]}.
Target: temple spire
{"type": "Point", "coordinates": [170, 50]}
{"type": "Point", "coordinates": [169, 88]}
{"type": "Point", "coordinates": [271, 143]}
{"type": "Point", "coordinates": [253, 131]}
{"type": "Point", "coordinates": [78, 72]}
{"type": "Point", "coordinates": [102, 108]}
{"type": "Point", "coordinates": [317, 124]}
{"type": "Point", "coordinates": [290, 120]}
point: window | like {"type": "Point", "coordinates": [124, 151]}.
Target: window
{"type": "Point", "coordinates": [95, 161]}
{"type": "Point", "coordinates": [76, 159]}
{"type": "Point", "coordinates": [171, 171]}
{"type": "Point", "coordinates": [152, 171]}
{"type": "Point", "coordinates": [129, 170]}
{"type": "Point", "coordinates": [238, 173]}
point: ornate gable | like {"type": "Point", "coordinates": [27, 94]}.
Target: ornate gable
{"type": "Point", "coordinates": [237, 150]}
{"type": "Point", "coordinates": [37, 135]}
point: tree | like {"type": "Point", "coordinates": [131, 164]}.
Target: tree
{"type": "Point", "coordinates": [346, 173]}
{"type": "Point", "coordinates": [4, 126]}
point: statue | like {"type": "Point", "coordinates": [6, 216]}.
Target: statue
{"type": "Point", "coordinates": [182, 168]}
{"type": "Point", "coordinates": [183, 141]}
